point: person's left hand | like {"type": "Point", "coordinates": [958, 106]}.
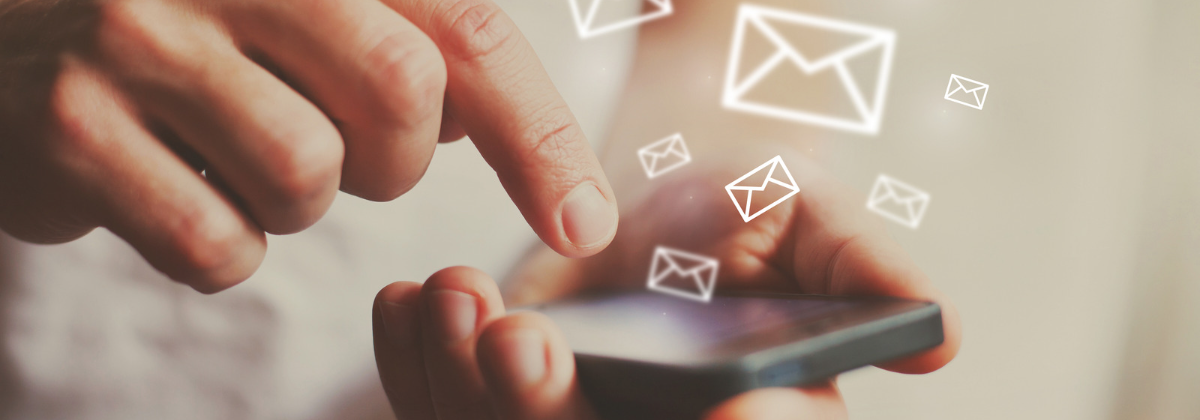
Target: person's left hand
{"type": "Point", "coordinates": [446, 349]}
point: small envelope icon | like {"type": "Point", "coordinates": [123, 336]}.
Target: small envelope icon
{"type": "Point", "coordinates": [664, 155]}
{"type": "Point", "coordinates": [898, 201]}
{"type": "Point", "coordinates": [683, 274]}
{"type": "Point", "coordinates": [592, 17]}
{"type": "Point", "coordinates": [776, 179]}
{"type": "Point", "coordinates": [966, 91]}
{"type": "Point", "coordinates": [865, 94]}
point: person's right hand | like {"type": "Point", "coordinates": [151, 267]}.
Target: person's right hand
{"type": "Point", "coordinates": [191, 127]}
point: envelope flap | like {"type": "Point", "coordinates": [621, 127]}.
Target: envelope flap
{"type": "Point", "coordinates": [654, 150]}
{"type": "Point", "coordinates": [672, 146]}
{"type": "Point", "coordinates": [909, 194]}
{"type": "Point", "coordinates": [600, 13]}
{"type": "Point", "coordinates": [677, 147]}
{"type": "Point", "coordinates": [691, 264]}
{"type": "Point", "coordinates": [780, 175]}
{"type": "Point", "coordinates": [682, 262]}
{"type": "Point", "coordinates": [883, 191]}
{"type": "Point", "coordinates": [814, 42]}
{"type": "Point", "coordinates": [659, 148]}
{"type": "Point", "coordinates": [904, 192]}
{"type": "Point", "coordinates": [762, 175]}
{"type": "Point", "coordinates": [809, 42]}
{"type": "Point", "coordinates": [755, 179]}
{"type": "Point", "coordinates": [968, 84]}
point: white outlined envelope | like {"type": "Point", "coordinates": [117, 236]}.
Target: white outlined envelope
{"type": "Point", "coordinates": [765, 20]}
{"type": "Point", "coordinates": [664, 155]}
{"type": "Point", "coordinates": [748, 184]}
{"type": "Point", "coordinates": [683, 274]}
{"type": "Point", "coordinates": [898, 201]}
{"type": "Point", "coordinates": [586, 14]}
{"type": "Point", "coordinates": [966, 91]}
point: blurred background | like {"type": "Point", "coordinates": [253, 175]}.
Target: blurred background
{"type": "Point", "coordinates": [1064, 214]}
{"type": "Point", "coordinates": [1063, 219]}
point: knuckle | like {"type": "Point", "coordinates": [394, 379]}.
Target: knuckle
{"type": "Point", "coordinates": [117, 17]}
{"type": "Point", "coordinates": [555, 139]}
{"type": "Point", "coordinates": [307, 163]}
{"type": "Point", "coordinates": [475, 29]}
{"type": "Point", "coordinates": [204, 243]}
{"type": "Point", "coordinates": [74, 133]}
{"type": "Point", "coordinates": [121, 25]}
{"type": "Point", "coordinates": [74, 129]}
{"type": "Point", "coordinates": [411, 71]}
{"type": "Point", "coordinates": [135, 36]}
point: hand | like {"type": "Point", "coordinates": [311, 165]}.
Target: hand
{"type": "Point", "coordinates": [192, 127]}
{"type": "Point", "coordinates": [446, 349]}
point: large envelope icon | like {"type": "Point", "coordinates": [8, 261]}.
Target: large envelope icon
{"type": "Point", "coordinates": [770, 22]}
{"type": "Point", "coordinates": [590, 21]}
{"type": "Point", "coordinates": [777, 179]}
{"type": "Point", "coordinates": [683, 274]}
{"type": "Point", "coordinates": [664, 155]}
{"type": "Point", "coordinates": [898, 201]}
{"type": "Point", "coordinates": [966, 91]}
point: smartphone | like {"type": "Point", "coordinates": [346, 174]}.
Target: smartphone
{"type": "Point", "coordinates": [649, 355]}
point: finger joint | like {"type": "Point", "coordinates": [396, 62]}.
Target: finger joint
{"type": "Point", "coordinates": [555, 140]}
{"type": "Point", "coordinates": [306, 164]}
{"type": "Point", "coordinates": [476, 30]}
{"type": "Point", "coordinates": [413, 73]}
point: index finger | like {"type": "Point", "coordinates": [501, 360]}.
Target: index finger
{"type": "Point", "coordinates": [504, 100]}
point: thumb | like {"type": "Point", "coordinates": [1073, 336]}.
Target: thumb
{"type": "Point", "coordinates": [530, 370]}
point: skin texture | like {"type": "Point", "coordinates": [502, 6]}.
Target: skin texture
{"type": "Point", "coordinates": [193, 128]}
{"type": "Point", "coordinates": [820, 241]}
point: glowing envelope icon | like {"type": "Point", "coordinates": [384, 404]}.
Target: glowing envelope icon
{"type": "Point", "coordinates": [745, 189]}
{"type": "Point", "coordinates": [898, 201]}
{"type": "Point", "coordinates": [590, 15]}
{"type": "Point", "coordinates": [966, 91]}
{"type": "Point", "coordinates": [683, 274]}
{"type": "Point", "coordinates": [865, 90]}
{"type": "Point", "coordinates": [664, 155]}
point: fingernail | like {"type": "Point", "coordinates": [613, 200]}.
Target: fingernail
{"type": "Point", "coordinates": [453, 314]}
{"type": "Point", "coordinates": [587, 218]}
{"type": "Point", "coordinates": [522, 356]}
{"type": "Point", "coordinates": [399, 323]}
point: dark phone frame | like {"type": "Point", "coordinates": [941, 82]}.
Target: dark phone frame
{"type": "Point", "coordinates": [809, 352]}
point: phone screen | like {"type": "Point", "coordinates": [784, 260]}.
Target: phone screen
{"type": "Point", "coordinates": [658, 328]}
